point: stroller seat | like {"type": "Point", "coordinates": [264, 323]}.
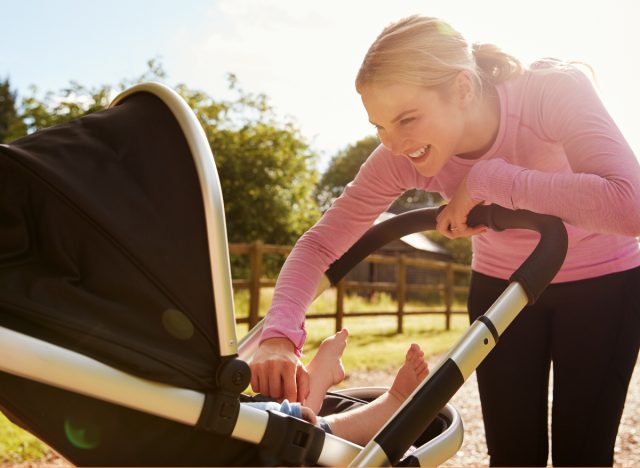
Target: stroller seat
{"type": "Point", "coordinates": [117, 328]}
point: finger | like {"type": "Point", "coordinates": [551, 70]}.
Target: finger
{"type": "Point", "coordinates": [290, 387]}
{"type": "Point", "coordinates": [309, 415]}
{"type": "Point", "coordinates": [456, 228]}
{"type": "Point", "coordinates": [255, 379]}
{"type": "Point", "coordinates": [442, 213]}
{"type": "Point", "coordinates": [468, 232]}
{"type": "Point", "coordinates": [443, 228]}
{"type": "Point", "coordinates": [442, 223]}
{"type": "Point", "coordinates": [263, 381]}
{"type": "Point", "coordinates": [449, 233]}
{"type": "Point", "coordinates": [275, 383]}
{"type": "Point", "coordinates": [303, 383]}
{"type": "Point", "coordinates": [442, 219]}
{"type": "Point", "coordinates": [477, 230]}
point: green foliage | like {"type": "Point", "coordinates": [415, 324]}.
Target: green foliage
{"type": "Point", "coordinates": [342, 169]}
{"type": "Point", "coordinates": [459, 248]}
{"type": "Point", "coordinates": [413, 199]}
{"type": "Point", "coordinates": [76, 100]}
{"type": "Point", "coordinates": [18, 446]}
{"type": "Point", "coordinates": [11, 125]}
{"type": "Point", "coordinates": [267, 169]}
{"type": "Point", "coordinates": [68, 104]}
{"type": "Point", "coordinates": [267, 180]}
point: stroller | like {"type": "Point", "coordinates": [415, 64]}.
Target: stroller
{"type": "Point", "coordinates": [117, 328]}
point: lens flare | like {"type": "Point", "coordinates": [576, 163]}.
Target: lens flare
{"type": "Point", "coordinates": [81, 434]}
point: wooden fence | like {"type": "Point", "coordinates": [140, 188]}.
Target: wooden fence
{"type": "Point", "coordinates": [447, 289]}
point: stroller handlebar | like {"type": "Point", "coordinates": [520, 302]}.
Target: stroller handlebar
{"type": "Point", "coordinates": [535, 273]}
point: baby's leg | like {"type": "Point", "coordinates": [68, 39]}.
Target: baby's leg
{"type": "Point", "coordinates": [361, 424]}
{"type": "Point", "coordinates": [325, 369]}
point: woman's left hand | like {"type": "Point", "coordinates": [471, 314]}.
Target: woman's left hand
{"type": "Point", "coordinates": [452, 220]}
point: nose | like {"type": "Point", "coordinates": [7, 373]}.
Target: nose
{"type": "Point", "coordinates": [392, 144]}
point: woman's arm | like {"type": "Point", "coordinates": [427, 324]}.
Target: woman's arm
{"type": "Point", "coordinates": [378, 183]}
{"type": "Point", "coordinates": [380, 180]}
{"type": "Point", "coordinates": [602, 193]}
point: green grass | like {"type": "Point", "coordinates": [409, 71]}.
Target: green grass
{"type": "Point", "coordinates": [373, 344]}
{"type": "Point", "coordinates": [18, 446]}
{"type": "Point", "coordinates": [373, 341]}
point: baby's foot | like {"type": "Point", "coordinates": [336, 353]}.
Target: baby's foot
{"type": "Point", "coordinates": [326, 366]}
{"type": "Point", "coordinates": [413, 371]}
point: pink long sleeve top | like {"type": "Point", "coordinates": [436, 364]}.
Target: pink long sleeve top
{"type": "Point", "coordinates": [557, 152]}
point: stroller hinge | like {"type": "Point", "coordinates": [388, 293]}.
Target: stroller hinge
{"type": "Point", "coordinates": [222, 406]}
{"type": "Point", "coordinates": [290, 441]}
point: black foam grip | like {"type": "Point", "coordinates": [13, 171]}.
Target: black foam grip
{"type": "Point", "coordinates": [535, 273]}
{"type": "Point", "coordinates": [542, 265]}
{"type": "Point", "coordinates": [381, 234]}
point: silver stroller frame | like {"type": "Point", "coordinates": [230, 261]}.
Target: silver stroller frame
{"type": "Point", "coordinates": [40, 361]}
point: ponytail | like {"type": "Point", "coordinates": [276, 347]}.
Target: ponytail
{"type": "Point", "coordinates": [496, 65]}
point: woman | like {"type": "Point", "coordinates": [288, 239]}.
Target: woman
{"type": "Point", "coordinates": [473, 124]}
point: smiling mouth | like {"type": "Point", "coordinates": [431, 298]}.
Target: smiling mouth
{"type": "Point", "coordinates": [420, 154]}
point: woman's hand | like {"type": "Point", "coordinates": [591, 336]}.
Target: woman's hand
{"type": "Point", "coordinates": [452, 220]}
{"type": "Point", "coordinates": [278, 373]}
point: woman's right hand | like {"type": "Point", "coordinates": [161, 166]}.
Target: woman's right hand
{"type": "Point", "coordinates": [278, 373]}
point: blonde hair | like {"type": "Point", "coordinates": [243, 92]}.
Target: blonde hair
{"type": "Point", "coordinates": [428, 52]}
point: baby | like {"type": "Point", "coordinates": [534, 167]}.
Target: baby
{"type": "Point", "coordinates": [360, 424]}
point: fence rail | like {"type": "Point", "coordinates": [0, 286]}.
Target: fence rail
{"type": "Point", "coordinates": [447, 289]}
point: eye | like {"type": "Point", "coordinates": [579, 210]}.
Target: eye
{"type": "Point", "coordinates": [407, 120]}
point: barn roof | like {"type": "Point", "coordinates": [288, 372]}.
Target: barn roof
{"type": "Point", "coordinates": [417, 240]}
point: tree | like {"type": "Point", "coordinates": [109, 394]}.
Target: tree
{"type": "Point", "coordinates": [460, 248]}
{"type": "Point", "coordinates": [267, 169]}
{"type": "Point", "coordinates": [342, 169]}
{"type": "Point", "coordinates": [76, 100]}
{"type": "Point", "coordinates": [11, 126]}
{"type": "Point", "coordinates": [345, 165]}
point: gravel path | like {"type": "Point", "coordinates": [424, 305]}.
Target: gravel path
{"type": "Point", "coordinates": [474, 450]}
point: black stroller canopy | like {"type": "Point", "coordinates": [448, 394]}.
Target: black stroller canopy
{"type": "Point", "coordinates": [103, 243]}
{"type": "Point", "coordinates": [117, 331]}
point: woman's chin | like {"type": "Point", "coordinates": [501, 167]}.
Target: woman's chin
{"type": "Point", "coordinates": [431, 166]}
{"type": "Point", "coordinates": [427, 169]}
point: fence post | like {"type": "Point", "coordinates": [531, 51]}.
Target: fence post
{"type": "Point", "coordinates": [255, 259]}
{"type": "Point", "coordinates": [340, 293]}
{"type": "Point", "coordinates": [448, 294]}
{"type": "Point", "coordinates": [401, 291]}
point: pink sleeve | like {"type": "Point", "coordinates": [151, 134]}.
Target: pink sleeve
{"type": "Point", "coordinates": [601, 194]}
{"type": "Point", "coordinates": [381, 179]}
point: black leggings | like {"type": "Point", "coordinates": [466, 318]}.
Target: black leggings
{"type": "Point", "coordinates": [590, 331]}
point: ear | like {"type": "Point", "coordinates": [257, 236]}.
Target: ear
{"type": "Point", "coordinates": [464, 89]}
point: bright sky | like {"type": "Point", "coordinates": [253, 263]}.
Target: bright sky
{"type": "Point", "coordinates": [303, 54]}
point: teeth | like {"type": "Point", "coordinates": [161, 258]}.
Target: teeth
{"type": "Point", "coordinates": [418, 153]}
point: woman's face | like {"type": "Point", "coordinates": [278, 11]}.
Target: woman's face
{"type": "Point", "coordinates": [417, 123]}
